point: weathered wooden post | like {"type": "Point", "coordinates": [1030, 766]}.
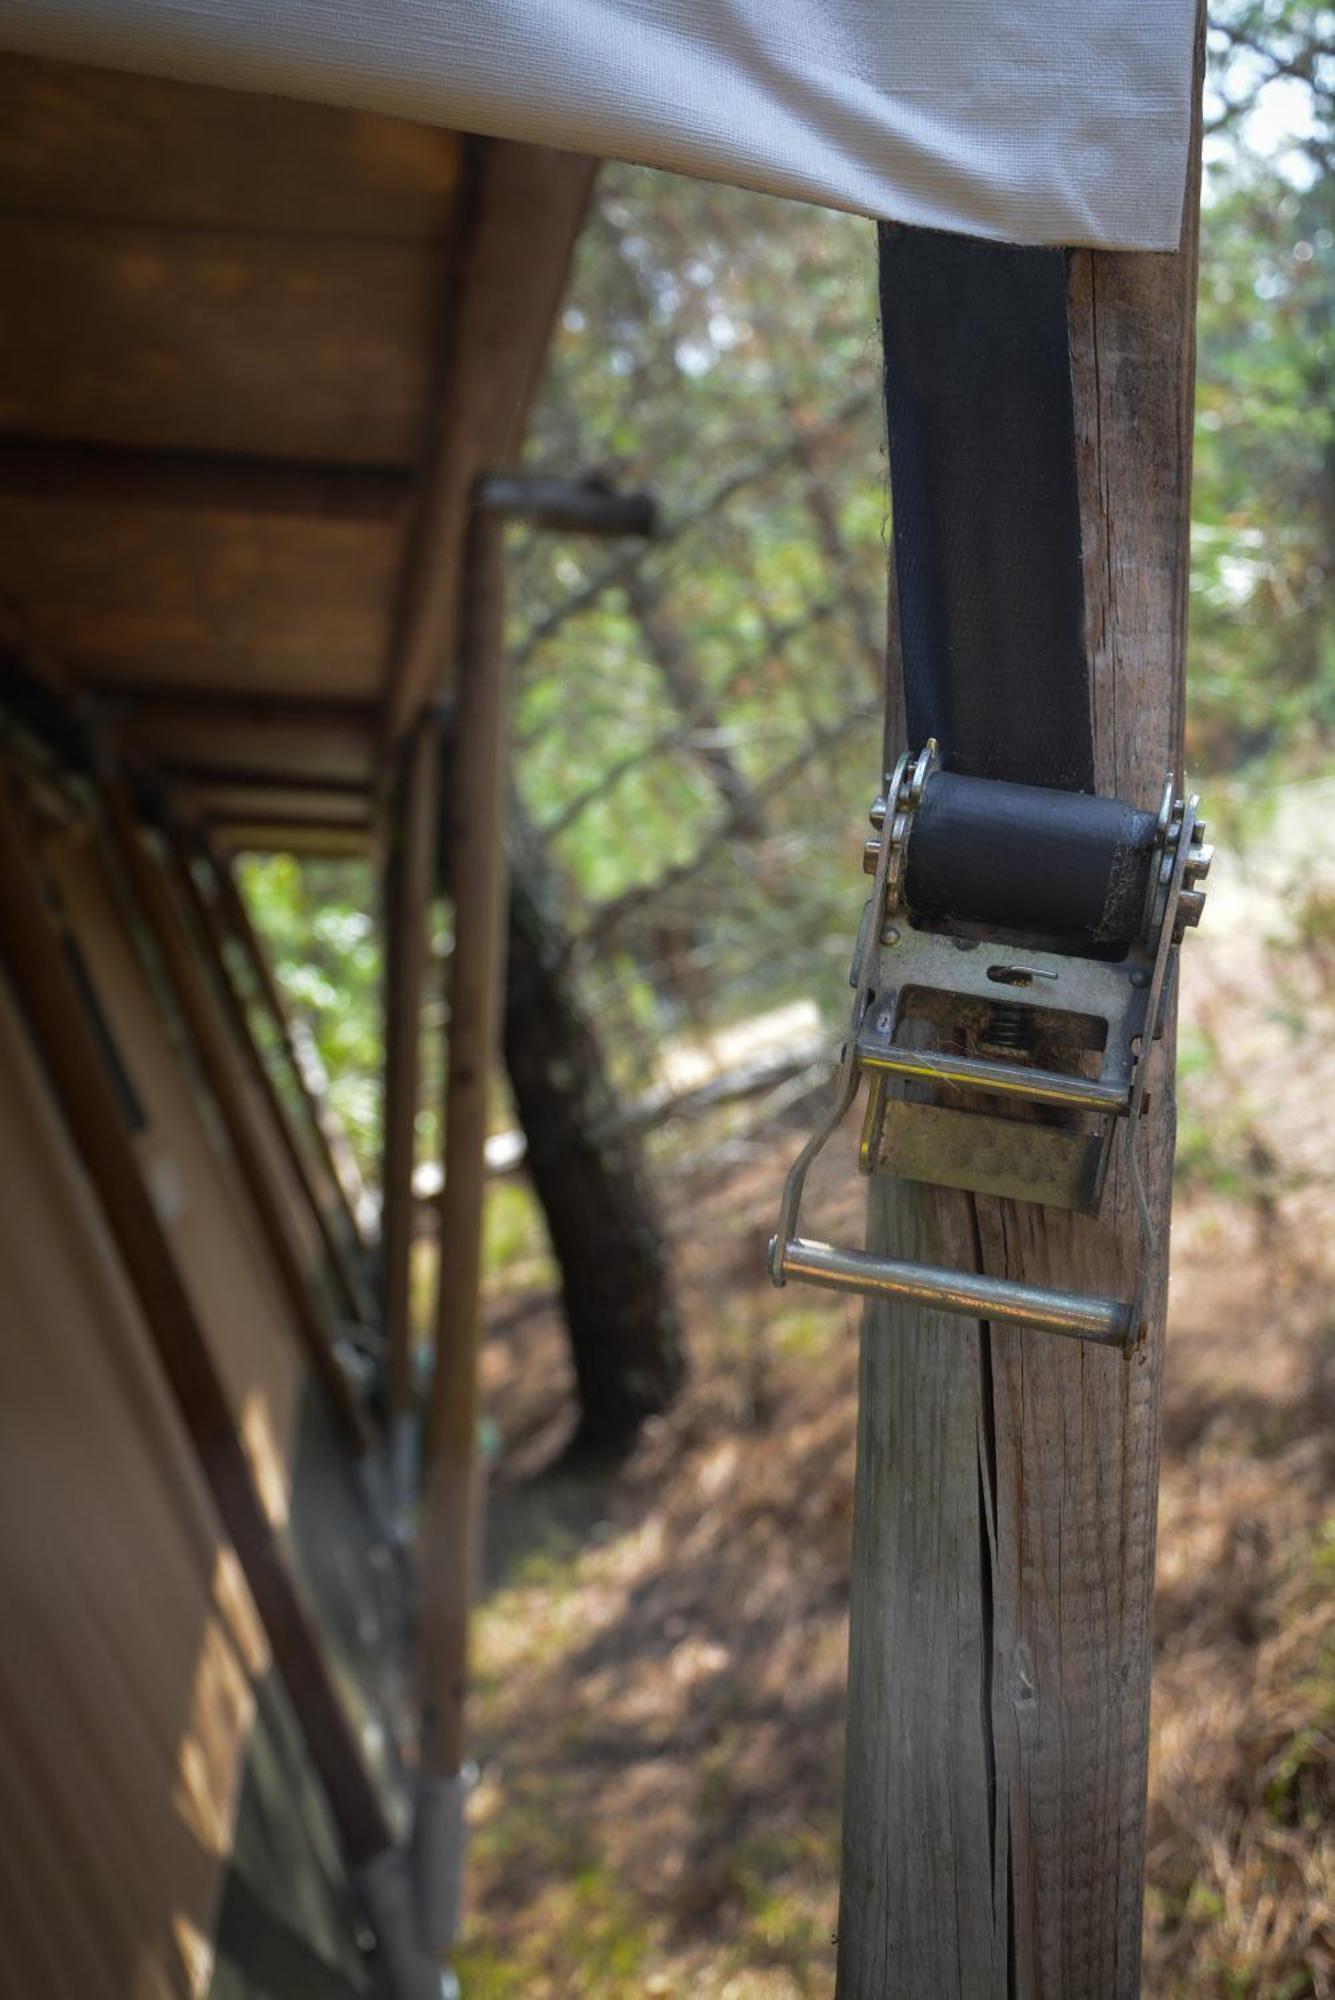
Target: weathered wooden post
{"type": "Point", "coordinates": [477, 811]}
{"type": "Point", "coordinates": [408, 901]}
{"type": "Point", "coordinates": [1004, 1527]}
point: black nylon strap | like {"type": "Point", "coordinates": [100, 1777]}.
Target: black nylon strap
{"type": "Point", "coordinates": [986, 509]}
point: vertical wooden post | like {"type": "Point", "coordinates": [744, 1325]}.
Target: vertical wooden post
{"type": "Point", "coordinates": [60, 1027]}
{"type": "Point", "coordinates": [1004, 1526]}
{"type": "Point", "coordinates": [148, 886]}
{"type": "Point", "coordinates": [238, 917]}
{"type": "Point", "coordinates": [208, 925]}
{"type": "Point", "coordinates": [409, 894]}
{"type": "Point", "coordinates": [478, 881]}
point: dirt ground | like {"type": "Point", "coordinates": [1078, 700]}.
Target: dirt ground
{"type": "Point", "coordinates": [661, 1648]}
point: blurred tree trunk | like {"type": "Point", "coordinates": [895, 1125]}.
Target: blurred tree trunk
{"type": "Point", "coordinates": [690, 697]}
{"type": "Point", "coordinates": [588, 1173]}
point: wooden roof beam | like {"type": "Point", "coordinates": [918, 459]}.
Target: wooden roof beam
{"type": "Point", "coordinates": [205, 481]}
{"type": "Point", "coordinates": [257, 778]}
{"type": "Point", "coordinates": [165, 702]}
{"type": "Point", "coordinates": [287, 833]}
{"type": "Point", "coordinates": [524, 215]}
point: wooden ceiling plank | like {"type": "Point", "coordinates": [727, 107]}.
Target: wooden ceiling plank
{"type": "Point", "coordinates": [94, 143]}
{"type": "Point", "coordinates": [166, 703]}
{"type": "Point", "coordinates": [213, 341]}
{"type": "Point", "coordinates": [219, 799]}
{"type": "Point", "coordinates": [290, 834]}
{"type": "Point", "coordinates": [269, 736]}
{"type": "Point", "coordinates": [239, 777]}
{"type": "Point", "coordinates": [284, 606]}
{"type": "Point", "coordinates": [54, 470]}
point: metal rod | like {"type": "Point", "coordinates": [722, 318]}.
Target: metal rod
{"type": "Point", "coordinates": [1037, 1086]}
{"type": "Point", "coordinates": [572, 506]}
{"type": "Point", "coordinates": [1082, 1315]}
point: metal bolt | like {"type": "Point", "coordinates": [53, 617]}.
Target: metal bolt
{"type": "Point", "coordinates": [877, 813]}
{"type": "Point", "coordinates": [890, 935]}
{"type": "Point", "coordinates": [871, 854]}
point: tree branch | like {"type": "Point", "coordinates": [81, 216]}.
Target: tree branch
{"type": "Point", "coordinates": [609, 916]}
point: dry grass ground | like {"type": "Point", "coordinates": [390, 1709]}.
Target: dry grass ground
{"type": "Point", "coordinates": [660, 1652]}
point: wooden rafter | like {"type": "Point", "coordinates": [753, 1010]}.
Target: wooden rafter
{"type": "Point", "coordinates": [526, 209]}
{"type": "Point", "coordinates": [207, 481]}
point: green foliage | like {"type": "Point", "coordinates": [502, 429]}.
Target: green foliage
{"type": "Point", "coordinates": [1263, 640]}
{"type": "Point", "coordinates": [318, 921]}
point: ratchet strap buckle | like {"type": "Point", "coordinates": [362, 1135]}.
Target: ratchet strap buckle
{"type": "Point", "coordinates": [996, 1066]}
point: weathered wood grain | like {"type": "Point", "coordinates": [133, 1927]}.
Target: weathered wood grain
{"type": "Point", "coordinates": [1007, 1482]}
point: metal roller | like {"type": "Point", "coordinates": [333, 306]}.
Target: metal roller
{"type": "Point", "coordinates": [1061, 865]}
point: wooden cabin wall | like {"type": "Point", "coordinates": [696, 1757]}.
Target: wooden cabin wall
{"type": "Point", "coordinates": [130, 1647]}
{"type": "Point", "coordinates": [198, 1192]}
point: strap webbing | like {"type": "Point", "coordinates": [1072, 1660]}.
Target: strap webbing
{"type": "Point", "coordinates": [985, 504]}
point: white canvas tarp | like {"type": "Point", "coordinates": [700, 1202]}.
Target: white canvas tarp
{"type": "Point", "coordinates": [1029, 120]}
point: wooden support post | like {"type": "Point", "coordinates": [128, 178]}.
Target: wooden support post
{"type": "Point", "coordinates": [478, 883]}
{"type": "Point", "coordinates": [1003, 1553]}
{"type": "Point", "coordinates": [409, 894]}
{"type": "Point", "coordinates": [148, 886]}
{"type": "Point", "coordinates": [63, 1034]}
{"type": "Point", "coordinates": [208, 923]}
{"type": "Point", "coordinates": [233, 906]}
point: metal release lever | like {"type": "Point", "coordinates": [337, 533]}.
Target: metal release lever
{"type": "Point", "coordinates": [1005, 1012]}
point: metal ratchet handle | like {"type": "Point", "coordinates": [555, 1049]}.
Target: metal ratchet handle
{"type": "Point", "coordinates": [1034, 1086]}
{"type": "Point", "coordinates": [974, 1295]}
{"type": "Point", "coordinates": [847, 1088]}
{"type": "Point", "coordinates": [1080, 1315]}
{"type": "Point", "coordinates": [1159, 988]}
